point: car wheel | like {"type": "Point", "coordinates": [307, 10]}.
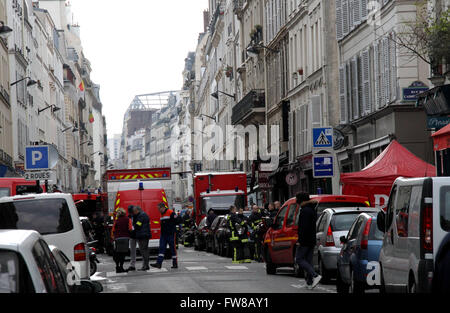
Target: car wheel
{"type": "Point", "coordinates": [341, 287]}
{"type": "Point", "coordinates": [271, 269]}
{"type": "Point", "coordinates": [412, 286]}
{"type": "Point", "coordinates": [93, 266]}
{"type": "Point", "coordinates": [196, 247]}
{"type": "Point", "coordinates": [356, 287]}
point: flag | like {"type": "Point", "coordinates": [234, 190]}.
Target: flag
{"type": "Point", "coordinates": [91, 118]}
{"type": "Point", "coordinates": [81, 86]}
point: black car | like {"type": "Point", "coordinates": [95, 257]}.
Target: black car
{"type": "Point", "coordinates": [200, 234]}
{"type": "Point", "coordinates": [211, 243]}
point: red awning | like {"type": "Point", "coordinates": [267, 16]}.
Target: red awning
{"type": "Point", "coordinates": [375, 181]}
{"type": "Point", "coordinates": [442, 139]}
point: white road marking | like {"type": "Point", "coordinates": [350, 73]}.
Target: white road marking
{"type": "Point", "coordinates": [97, 277]}
{"type": "Point", "coordinates": [114, 274]}
{"type": "Point", "coordinates": [196, 268]}
{"type": "Point", "coordinates": [157, 270]}
{"type": "Point", "coordinates": [118, 287]}
{"type": "Point", "coordinates": [237, 267]}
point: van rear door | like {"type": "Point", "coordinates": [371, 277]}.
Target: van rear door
{"type": "Point", "coordinates": [150, 200]}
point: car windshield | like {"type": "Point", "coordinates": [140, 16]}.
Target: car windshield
{"type": "Point", "coordinates": [343, 221]}
{"type": "Point", "coordinates": [333, 205]}
{"type": "Point", "coordinates": [9, 272]}
{"type": "Point", "coordinates": [46, 216]}
{"type": "Point", "coordinates": [222, 202]}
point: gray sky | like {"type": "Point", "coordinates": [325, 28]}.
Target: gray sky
{"type": "Point", "coordinates": [136, 47]}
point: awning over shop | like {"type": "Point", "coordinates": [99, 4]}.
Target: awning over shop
{"type": "Point", "coordinates": [375, 181]}
{"type": "Point", "coordinates": [442, 139]}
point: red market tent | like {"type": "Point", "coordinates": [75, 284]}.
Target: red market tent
{"type": "Point", "coordinates": [442, 139]}
{"type": "Point", "coordinates": [375, 181]}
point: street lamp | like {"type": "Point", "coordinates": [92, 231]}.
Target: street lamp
{"type": "Point", "coordinates": [216, 95]}
{"type": "Point", "coordinates": [75, 129]}
{"type": "Point", "coordinates": [30, 83]}
{"type": "Point", "coordinates": [210, 117]}
{"type": "Point", "coordinates": [54, 109]}
{"type": "Point", "coordinates": [5, 31]}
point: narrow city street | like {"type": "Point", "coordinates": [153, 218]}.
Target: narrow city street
{"type": "Point", "coordinates": [201, 272]}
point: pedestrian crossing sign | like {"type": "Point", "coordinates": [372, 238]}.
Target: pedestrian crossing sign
{"type": "Point", "coordinates": [323, 137]}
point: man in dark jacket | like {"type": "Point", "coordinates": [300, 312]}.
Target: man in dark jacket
{"type": "Point", "coordinates": [169, 221]}
{"type": "Point", "coordinates": [141, 226]}
{"type": "Point", "coordinates": [307, 238]}
{"type": "Point", "coordinates": [211, 217]}
{"type": "Point", "coordinates": [441, 277]}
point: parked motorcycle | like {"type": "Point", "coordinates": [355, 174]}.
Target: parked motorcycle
{"type": "Point", "coordinates": [93, 260]}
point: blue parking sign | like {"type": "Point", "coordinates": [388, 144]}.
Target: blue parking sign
{"type": "Point", "coordinates": [37, 158]}
{"type": "Point", "coordinates": [323, 166]}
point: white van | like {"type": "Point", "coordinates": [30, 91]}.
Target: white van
{"type": "Point", "coordinates": [416, 221]}
{"type": "Point", "coordinates": [55, 217]}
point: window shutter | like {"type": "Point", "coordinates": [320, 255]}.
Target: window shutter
{"type": "Point", "coordinates": [393, 68]}
{"type": "Point", "coordinates": [345, 20]}
{"type": "Point", "coordinates": [339, 20]}
{"type": "Point", "coordinates": [356, 12]}
{"type": "Point", "coordinates": [365, 61]}
{"type": "Point", "coordinates": [348, 73]}
{"type": "Point", "coordinates": [387, 69]}
{"type": "Point", "coordinates": [316, 108]}
{"type": "Point", "coordinates": [376, 72]}
{"type": "Point", "coordinates": [291, 137]}
{"type": "Point", "coordinates": [364, 10]}
{"type": "Point", "coordinates": [308, 138]}
{"type": "Point", "coordinates": [298, 131]}
{"type": "Point", "coordinates": [350, 15]}
{"type": "Point", "coordinates": [355, 84]}
{"type": "Point", "coordinates": [343, 93]}
{"type": "Point", "coordinates": [301, 132]}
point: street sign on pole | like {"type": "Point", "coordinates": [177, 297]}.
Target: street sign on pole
{"type": "Point", "coordinates": [323, 166]}
{"type": "Point", "coordinates": [40, 158]}
{"type": "Point", "coordinates": [323, 138]}
{"type": "Point", "coordinates": [49, 176]}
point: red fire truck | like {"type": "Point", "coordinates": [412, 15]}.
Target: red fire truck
{"type": "Point", "coordinates": [218, 191]}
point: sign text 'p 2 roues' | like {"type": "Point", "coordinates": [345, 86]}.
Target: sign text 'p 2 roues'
{"type": "Point", "coordinates": [44, 175]}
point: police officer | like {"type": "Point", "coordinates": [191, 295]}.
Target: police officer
{"type": "Point", "coordinates": [254, 220]}
{"type": "Point", "coordinates": [169, 220]}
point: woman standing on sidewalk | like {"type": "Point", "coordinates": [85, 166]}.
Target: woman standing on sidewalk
{"type": "Point", "coordinates": [121, 235]}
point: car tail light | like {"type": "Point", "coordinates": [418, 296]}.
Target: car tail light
{"type": "Point", "coordinates": [365, 236]}
{"type": "Point", "coordinates": [330, 238]}
{"type": "Point", "coordinates": [427, 228]}
{"type": "Point", "coordinates": [79, 252]}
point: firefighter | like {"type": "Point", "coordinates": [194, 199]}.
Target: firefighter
{"type": "Point", "coordinates": [186, 225]}
{"type": "Point", "coordinates": [254, 220]}
{"type": "Point", "coordinates": [239, 243]}
{"type": "Point", "coordinates": [169, 220]}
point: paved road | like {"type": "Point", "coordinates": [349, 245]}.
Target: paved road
{"type": "Point", "coordinates": [201, 272]}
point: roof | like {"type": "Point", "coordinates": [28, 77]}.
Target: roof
{"type": "Point", "coordinates": [442, 139]}
{"type": "Point", "coordinates": [37, 196]}
{"type": "Point", "coordinates": [135, 185]}
{"type": "Point", "coordinates": [353, 209]}
{"type": "Point", "coordinates": [395, 161]}
{"type": "Point", "coordinates": [13, 239]}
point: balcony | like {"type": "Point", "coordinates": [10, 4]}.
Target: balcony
{"type": "Point", "coordinates": [250, 109]}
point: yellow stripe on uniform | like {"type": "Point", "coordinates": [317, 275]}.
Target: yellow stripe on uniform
{"type": "Point", "coordinates": [138, 223]}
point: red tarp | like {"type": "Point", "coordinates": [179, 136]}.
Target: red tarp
{"type": "Point", "coordinates": [442, 139]}
{"type": "Point", "coordinates": [375, 181]}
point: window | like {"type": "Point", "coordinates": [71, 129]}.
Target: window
{"type": "Point", "coordinates": [291, 216]}
{"type": "Point", "coordinates": [445, 208]}
{"type": "Point", "coordinates": [414, 211]}
{"type": "Point", "coordinates": [9, 272]}
{"type": "Point", "coordinates": [322, 222]}
{"type": "Point", "coordinates": [280, 218]}
{"type": "Point", "coordinates": [46, 216]}
{"type": "Point", "coordinates": [343, 221]}
{"type": "Point", "coordinates": [402, 210]}
{"type": "Point", "coordinates": [53, 281]}
{"type": "Point", "coordinates": [390, 207]}
{"type": "Point", "coordinates": [4, 192]}
{"type": "Point", "coordinates": [356, 228]}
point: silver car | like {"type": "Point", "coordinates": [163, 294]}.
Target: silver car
{"type": "Point", "coordinates": [332, 224]}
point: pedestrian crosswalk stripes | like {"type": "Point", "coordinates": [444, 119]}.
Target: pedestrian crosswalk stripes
{"type": "Point", "coordinates": [237, 267]}
{"type": "Point", "coordinates": [197, 268]}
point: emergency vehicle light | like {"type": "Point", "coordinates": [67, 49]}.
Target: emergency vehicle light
{"type": "Point", "coordinates": [141, 186]}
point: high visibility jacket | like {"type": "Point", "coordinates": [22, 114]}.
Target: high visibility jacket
{"type": "Point", "coordinates": [255, 219]}
{"type": "Point", "coordinates": [168, 222]}
{"type": "Point", "coordinates": [233, 219]}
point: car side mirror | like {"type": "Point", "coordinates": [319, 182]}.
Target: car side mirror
{"type": "Point", "coordinates": [343, 239]}
{"type": "Point", "coordinates": [381, 221]}
{"type": "Point", "coordinates": [88, 286]}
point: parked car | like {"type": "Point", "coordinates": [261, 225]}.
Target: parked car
{"type": "Point", "coordinates": [200, 235]}
{"type": "Point", "coordinates": [280, 240]}
{"type": "Point", "coordinates": [222, 237]}
{"type": "Point", "coordinates": [415, 222]}
{"type": "Point", "coordinates": [361, 246]}
{"type": "Point", "coordinates": [211, 244]}
{"type": "Point", "coordinates": [70, 273]}
{"type": "Point", "coordinates": [55, 217]}
{"type": "Point", "coordinates": [28, 266]}
{"type": "Point", "coordinates": [333, 224]}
